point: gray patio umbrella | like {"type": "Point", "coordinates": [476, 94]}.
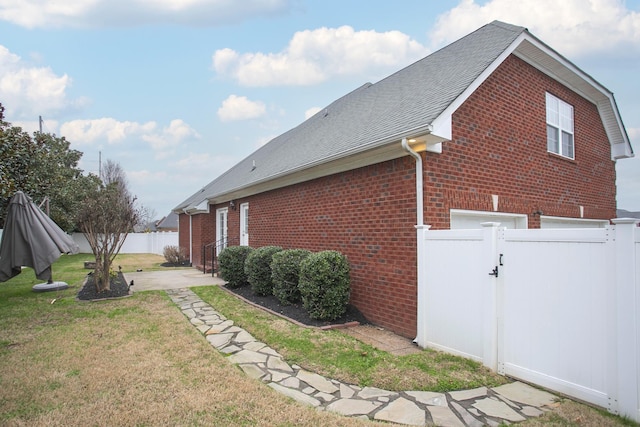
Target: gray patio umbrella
{"type": "Point", "coordinates": [30, 238]}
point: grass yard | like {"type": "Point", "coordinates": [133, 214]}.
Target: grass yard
{"type": "Point", "coordinates": [337, 355]}
{"type": "Point", "coordinates": [136, 361]}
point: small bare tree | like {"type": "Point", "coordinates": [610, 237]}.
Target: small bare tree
{"type": "Point", "coordinates": [108, 215]}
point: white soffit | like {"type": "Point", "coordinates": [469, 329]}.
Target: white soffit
{"type": "Point", "coordinates": [540, 56]}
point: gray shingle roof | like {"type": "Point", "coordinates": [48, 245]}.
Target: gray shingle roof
{"type": "Point", "coordinates": [371, 116]}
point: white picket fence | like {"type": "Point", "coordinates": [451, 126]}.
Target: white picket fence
{"type": "Point", "coordinates": [557, 308]}
{"type": "Point", "coordinates": [136, 243]}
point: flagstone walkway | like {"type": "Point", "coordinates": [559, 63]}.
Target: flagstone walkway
{"type": "Point", "coordinates": [478, 407]}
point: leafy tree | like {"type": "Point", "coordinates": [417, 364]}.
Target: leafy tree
{"type": "Point", "coordinates": [107, 215]}
{"type": "Point", "coordinates": [45, 168]}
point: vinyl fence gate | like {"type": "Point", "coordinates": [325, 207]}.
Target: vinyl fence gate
{"type": "Point", "coordinates": [557, 308]}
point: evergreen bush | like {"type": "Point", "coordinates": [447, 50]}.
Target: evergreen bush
{"type": "Point", "coordinates": [285, 272]}
{"type": "Point", "coordinates": [325, 284]}
{"type": "Point", "coordinates": [231, 265]}
{"type": "Point", "coordinates": [257, 268]}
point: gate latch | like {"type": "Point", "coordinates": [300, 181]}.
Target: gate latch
{"type": "Point", "coordinates": [494, 272]}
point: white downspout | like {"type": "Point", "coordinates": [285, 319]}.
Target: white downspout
{"type": "Point", "coordinates": [419, 184]}
{"type": "Point", "coordinates": [421, 338]}
{"type": "Point", "coordinates": [190, 239]}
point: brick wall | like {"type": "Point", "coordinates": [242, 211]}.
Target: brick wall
{"type": "Point", "coordinates": [203, 228]}
{"type": "Point", "coordinates": [183, 233]}
{"type": "Point", "coordinates": [361, 214]}
{"type": "Point", "coordinates": [498, 147]}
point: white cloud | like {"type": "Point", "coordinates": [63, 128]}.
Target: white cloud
{"type": "Point", "coordinates": [240, 108]}
{"type": "Point", "coordinates": [176, 132]}
{"type": "Point", "coordinates": [311, 112]}
{"type": "Point", "coordinates": [164, 142]}
{"type": "Point", "coordinates": [109, 13]}
{"type": "Point", "coordinates": [28, 91]}
{"type": "Point", "coordinates": [573, 27]}
{"type": "Point", "coordinates": [313, 56]}
{"type": "Point", "coordinates": [83, 132]}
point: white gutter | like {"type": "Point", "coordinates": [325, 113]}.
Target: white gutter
{"type": "Point", "coordinates": [419, 182]}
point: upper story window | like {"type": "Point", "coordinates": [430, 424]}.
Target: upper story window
{"type": "Point", "coordinates": [559, 127]}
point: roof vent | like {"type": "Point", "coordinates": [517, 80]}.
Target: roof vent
{"type": "Point", "coordinates": [326, 112]}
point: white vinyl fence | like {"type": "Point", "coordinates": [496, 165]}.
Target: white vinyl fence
{"type": "Point", "coordinates": [136, 243]}
{"type": "Point", "coordinates": [557, 307]}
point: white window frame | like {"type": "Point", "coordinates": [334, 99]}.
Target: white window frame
{"type": "Point", "coordinates": [244, 224]}
{"type": "Point", "coordinates": [222, 218]}
{"type": "Point", "coordinates": [560, 120]}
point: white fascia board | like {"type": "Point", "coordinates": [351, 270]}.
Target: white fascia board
{"type": "Point", "coordinates": [202, 207]}
{"type": "Point", "coordinates": [548, 61]}
{"type": "Point", "coordinates": [621, 151]}
{"type": "Point", "coordinates": [561, 70]}
{"type": "Point", "coordinates": [442, 123]}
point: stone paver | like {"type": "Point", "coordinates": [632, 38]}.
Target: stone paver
{"type": "Point", "coordinates": [402, 411]}
{"type": "Point", "coordinates": [500, 405]}
{"type": "Point", "coordinates": [522, 393]}
{"type": "Point", "coordinates": [497, 409]}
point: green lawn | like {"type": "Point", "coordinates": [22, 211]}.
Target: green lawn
{"type": "Point", "coordinates": [137, 361]}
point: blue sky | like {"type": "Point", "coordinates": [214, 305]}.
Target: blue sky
{"type": "Point", "coordinates": [178, 91]}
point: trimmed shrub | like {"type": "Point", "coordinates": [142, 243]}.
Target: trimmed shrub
{"type": "Point", "coordinates": [285, 271]}
{"type": "Point", "coordinates": [174, 254]}
{"type": "Point", "coordinates": [257, 267]}
{"type": "Point", "coordinates": [231, 264]}
{"type": "Point", "coordinates": [325, 285]}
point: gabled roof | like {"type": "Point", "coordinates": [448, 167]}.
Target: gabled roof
{"type": "Point", "coordinates": [366, 125]}
{"type": "Point", "coordinates": [169, 222]}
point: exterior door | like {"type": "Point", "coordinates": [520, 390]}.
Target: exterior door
{"type": "Point", "coordinates": [244, 224]}
{"type": "Point", "coordinates": [221, 228]}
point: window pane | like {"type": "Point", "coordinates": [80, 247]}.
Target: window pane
{"type": "Point", "coordinates": [553, 110]}
{"type": "Point", "coordinates": [566, 117]}
{"type": "Point", "coordinates": [552, 139]}
{"type": "Point", "coordinates": [567, 144]}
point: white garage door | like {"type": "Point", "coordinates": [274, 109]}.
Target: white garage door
{"type": "Point", "coordinates": [462, 219]}
{"type": "Point", "coordinates": [561, 222]}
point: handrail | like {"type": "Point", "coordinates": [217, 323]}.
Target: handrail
{"type": "Point", "coordinates": [221, 243]}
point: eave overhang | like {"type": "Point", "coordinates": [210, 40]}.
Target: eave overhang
{"type": "Point", "coordinates": [542, 57]}
{"type": "Point", "coordinates": [370, 154]}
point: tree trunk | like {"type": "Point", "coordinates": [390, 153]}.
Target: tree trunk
{"type": "Point", "coordinates": [101, 274]}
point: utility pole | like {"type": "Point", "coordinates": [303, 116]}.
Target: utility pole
{"type": "Point", "coordinates": [100, 164]}
{"type": "Point", "coordinates": [40, 123]}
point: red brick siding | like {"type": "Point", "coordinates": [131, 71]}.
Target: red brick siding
{"type": "Point", "coordinates": [233, 224]}
{"type": "Point", "coordinates": [368, 214]}
{"type": "Point", "coordinates": [203, 229]}
{"type": "Point", "coordinates": [498, 147]}
{"type": "Point", "coordinates": [183, 233]}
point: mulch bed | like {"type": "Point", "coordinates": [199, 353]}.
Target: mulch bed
{"type": "Point", "coordinates": [119, 288]}
{"type": "Point", "coordinates": [297, 311]}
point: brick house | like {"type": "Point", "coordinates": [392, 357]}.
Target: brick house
{"type": "Point", "coordinates": [497, 126]}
